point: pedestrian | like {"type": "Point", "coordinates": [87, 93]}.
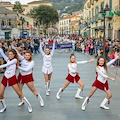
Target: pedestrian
{"type": "Point", "coordinates": [47, 65]}
{"type": "Point", "coordinates": [101, 82]}
{"type": "Point", "coordinates": [111, 55]}
{"type": "Point", "coordinates": [26, 75]}
{"type": "Point", "coordinates": [9, 78]}
{"type": "Point", "coordinates": [73, 75]}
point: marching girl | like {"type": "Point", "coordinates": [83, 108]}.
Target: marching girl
{"type": "Point", "coordinates": [26, 75]}
{"type": "Point", "coordinates": [101, 82]}
{"type": "Point", "coordinates": [9, 78]}
{"type": "Point", "coordinates": [73, 75]}
{"type": "Point", "coordinates": [47, 65]}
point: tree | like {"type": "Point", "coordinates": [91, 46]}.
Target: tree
{"type": "Point", "coordinates": [18, 7]}
{"type": "Point", "coordinates": [45, 15]}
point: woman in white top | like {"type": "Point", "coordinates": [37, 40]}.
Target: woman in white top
{"type": "Point", "coordinates": [101, 82]}
{"type": "Point", "coordinates": [47, 68]}
{"type": "Point", "coordinates": [9, 78]}
{"type": "Point", "coordinates": [26, 75]}
{"type": "Point", "coordinates": [73, 75]}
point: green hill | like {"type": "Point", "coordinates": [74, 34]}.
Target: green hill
{"type": "Point", "coordinates": [72, 5]}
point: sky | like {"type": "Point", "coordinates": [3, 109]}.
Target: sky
{"type": "Point", "coordinates": [22, 1]}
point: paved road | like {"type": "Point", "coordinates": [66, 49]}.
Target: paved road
{"type": "Point", "coordinates": [68, 108]}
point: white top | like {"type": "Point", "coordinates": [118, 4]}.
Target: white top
{"type": "Point", "coordinates": [72, 67]}
{"type": "Point", "coordinates": [73, 42]}
{"type": "Point", "coordinates": [10, 65]}
{"type": "Point", "coordinates": [101, 72]}
{"type": "Point", "coordinates": [26, 67]}
{"type": "Point", "coordinates": [47, 59]}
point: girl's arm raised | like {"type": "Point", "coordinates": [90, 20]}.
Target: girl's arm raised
{"type": "Point", "coordinates": [19, 55]}
{"type": "Point", "coordinates": [3, 54]}
{"type": "Point", "coordinates": [83, 62]}
{"type": "Point", "coordinates": [112, 61]}
{"type": "Point", "coordinates": [41, 50]}
{"type": "Point", "coordinates": [53, 48]}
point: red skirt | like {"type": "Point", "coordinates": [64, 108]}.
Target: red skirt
{"type": "Point", "coordinates": [71, 78]}
{"type": "Point", "coordinates": [9, 81]}
{"type": "Point", "coordinates": [101, 85]}
{"type": "Point", "coordinates": [25, 78]}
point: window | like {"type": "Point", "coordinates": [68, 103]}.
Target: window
{"type": "Point", "coordinates": [97, 10]}
{"type": "Point", "coordinates": [102, 5]}
{"type": "Point", "coordinates": [93, 12]}
{"type": "Point", "coordinates": [110, 4]}
{"type": "Point", "coordinates": [89, 14]}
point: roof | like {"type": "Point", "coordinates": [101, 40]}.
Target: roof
{"type": "Point", "coordinates": [67, 17]}
{"type": "Point", "coordinates": [5, 3]}
{"type": "Point", "coordinates": [37, 2]}
{"type": "Point", "coordinates": [4, 10]}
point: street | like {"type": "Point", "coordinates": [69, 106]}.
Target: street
{"type": "Point", "coordinates": [67, 108]}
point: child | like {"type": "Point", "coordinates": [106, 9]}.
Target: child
{"type": "Point", "coordinates": [26, 75]}
{"type": "Point", "coordinates": [9, 78]}
{"type": "Point", "coordinates": [73, 75]}
{"type": "Point", "coordinates": [47, 65]}
{"type": "Point", "coordinates": [87, 49]}
{"type": "Point", "coordinates": [101, 82]}
{"type": "Point", "coordinates": [112, 55]}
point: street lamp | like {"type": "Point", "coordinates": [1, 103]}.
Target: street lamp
{"type": "Point", "coordinates": [23, 20]}
{"type": "Point", "coordinates": [104, 14]}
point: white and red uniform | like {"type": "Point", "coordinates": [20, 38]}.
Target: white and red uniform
{"type": "Point", "coordinates": [101, 81]}
{"type": "Point", "coordinates": [47, 60]}
{"type": "Point", "coordinates": [9, 78]}
{"type": "Point", "coordinates": [26, 69]}
{"type": "Point", "coordinates": [72, 68]}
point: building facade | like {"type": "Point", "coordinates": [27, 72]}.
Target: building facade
{"type": "Point", "coordinates": [26, 7]}
{"type": "Point", "coordinates": [93, 20]}
{"type": "Point", "coordinates": [64, 25]}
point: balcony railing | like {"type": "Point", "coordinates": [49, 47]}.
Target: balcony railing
{"type": "Point", "coordinates": [117, 8]}
{"type": "Point", "coordinates": [8, 27]}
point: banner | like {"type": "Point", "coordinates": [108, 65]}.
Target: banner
{"type": "Point", "coordinates": [60, 46]}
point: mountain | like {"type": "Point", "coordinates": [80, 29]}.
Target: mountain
{"type": "Point", "coordinates": [67, 6]}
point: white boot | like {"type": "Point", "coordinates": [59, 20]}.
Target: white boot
{"type": "Point", "coordinates": [103, 104]}
{"type": "Point", "coordinates": [49, 86]}
{"type": "Point", "coordinates": [28, 104]}
{"type": "Point", "coordinates": [21, 103]}
{"type": "Point", "coordinates": [40, 99]}
{"type": "Point", "coordinates": [85, 103]}
{"type": "Point", "coordinates": [77, 96]}
{"type": "Point", "coordinates": [3, 105]}
{"type": "Point", "coordinates": [46, 87]}
{"type": "Point", "coordinates": [58, 94]}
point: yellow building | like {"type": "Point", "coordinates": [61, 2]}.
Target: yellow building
{"type": "Point", "coordinates": [94, 26]}
{"type": "Point", "coordinates": [75, 22]}
{"type": "Point", "coordinates": [117, 20]}
{"type": "Point", "coordinates": [27, 7]}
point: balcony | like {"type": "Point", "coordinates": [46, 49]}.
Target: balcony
{"type": "Point", "coordinates": [7, 27]}
{"type": "Point", "coordinates": [117, 8]}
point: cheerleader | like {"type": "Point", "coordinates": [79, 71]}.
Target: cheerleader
{"type": "Point", "coordinates": [47, 68]}
{"type": "Point", "coordinates": [73, 75]}
{"type": "Point", "coordinates": [9, 78]}
{"type": "Point", "coordinates": [101, 82]}
{"type": "Point", "coordinates": [26, 75]}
